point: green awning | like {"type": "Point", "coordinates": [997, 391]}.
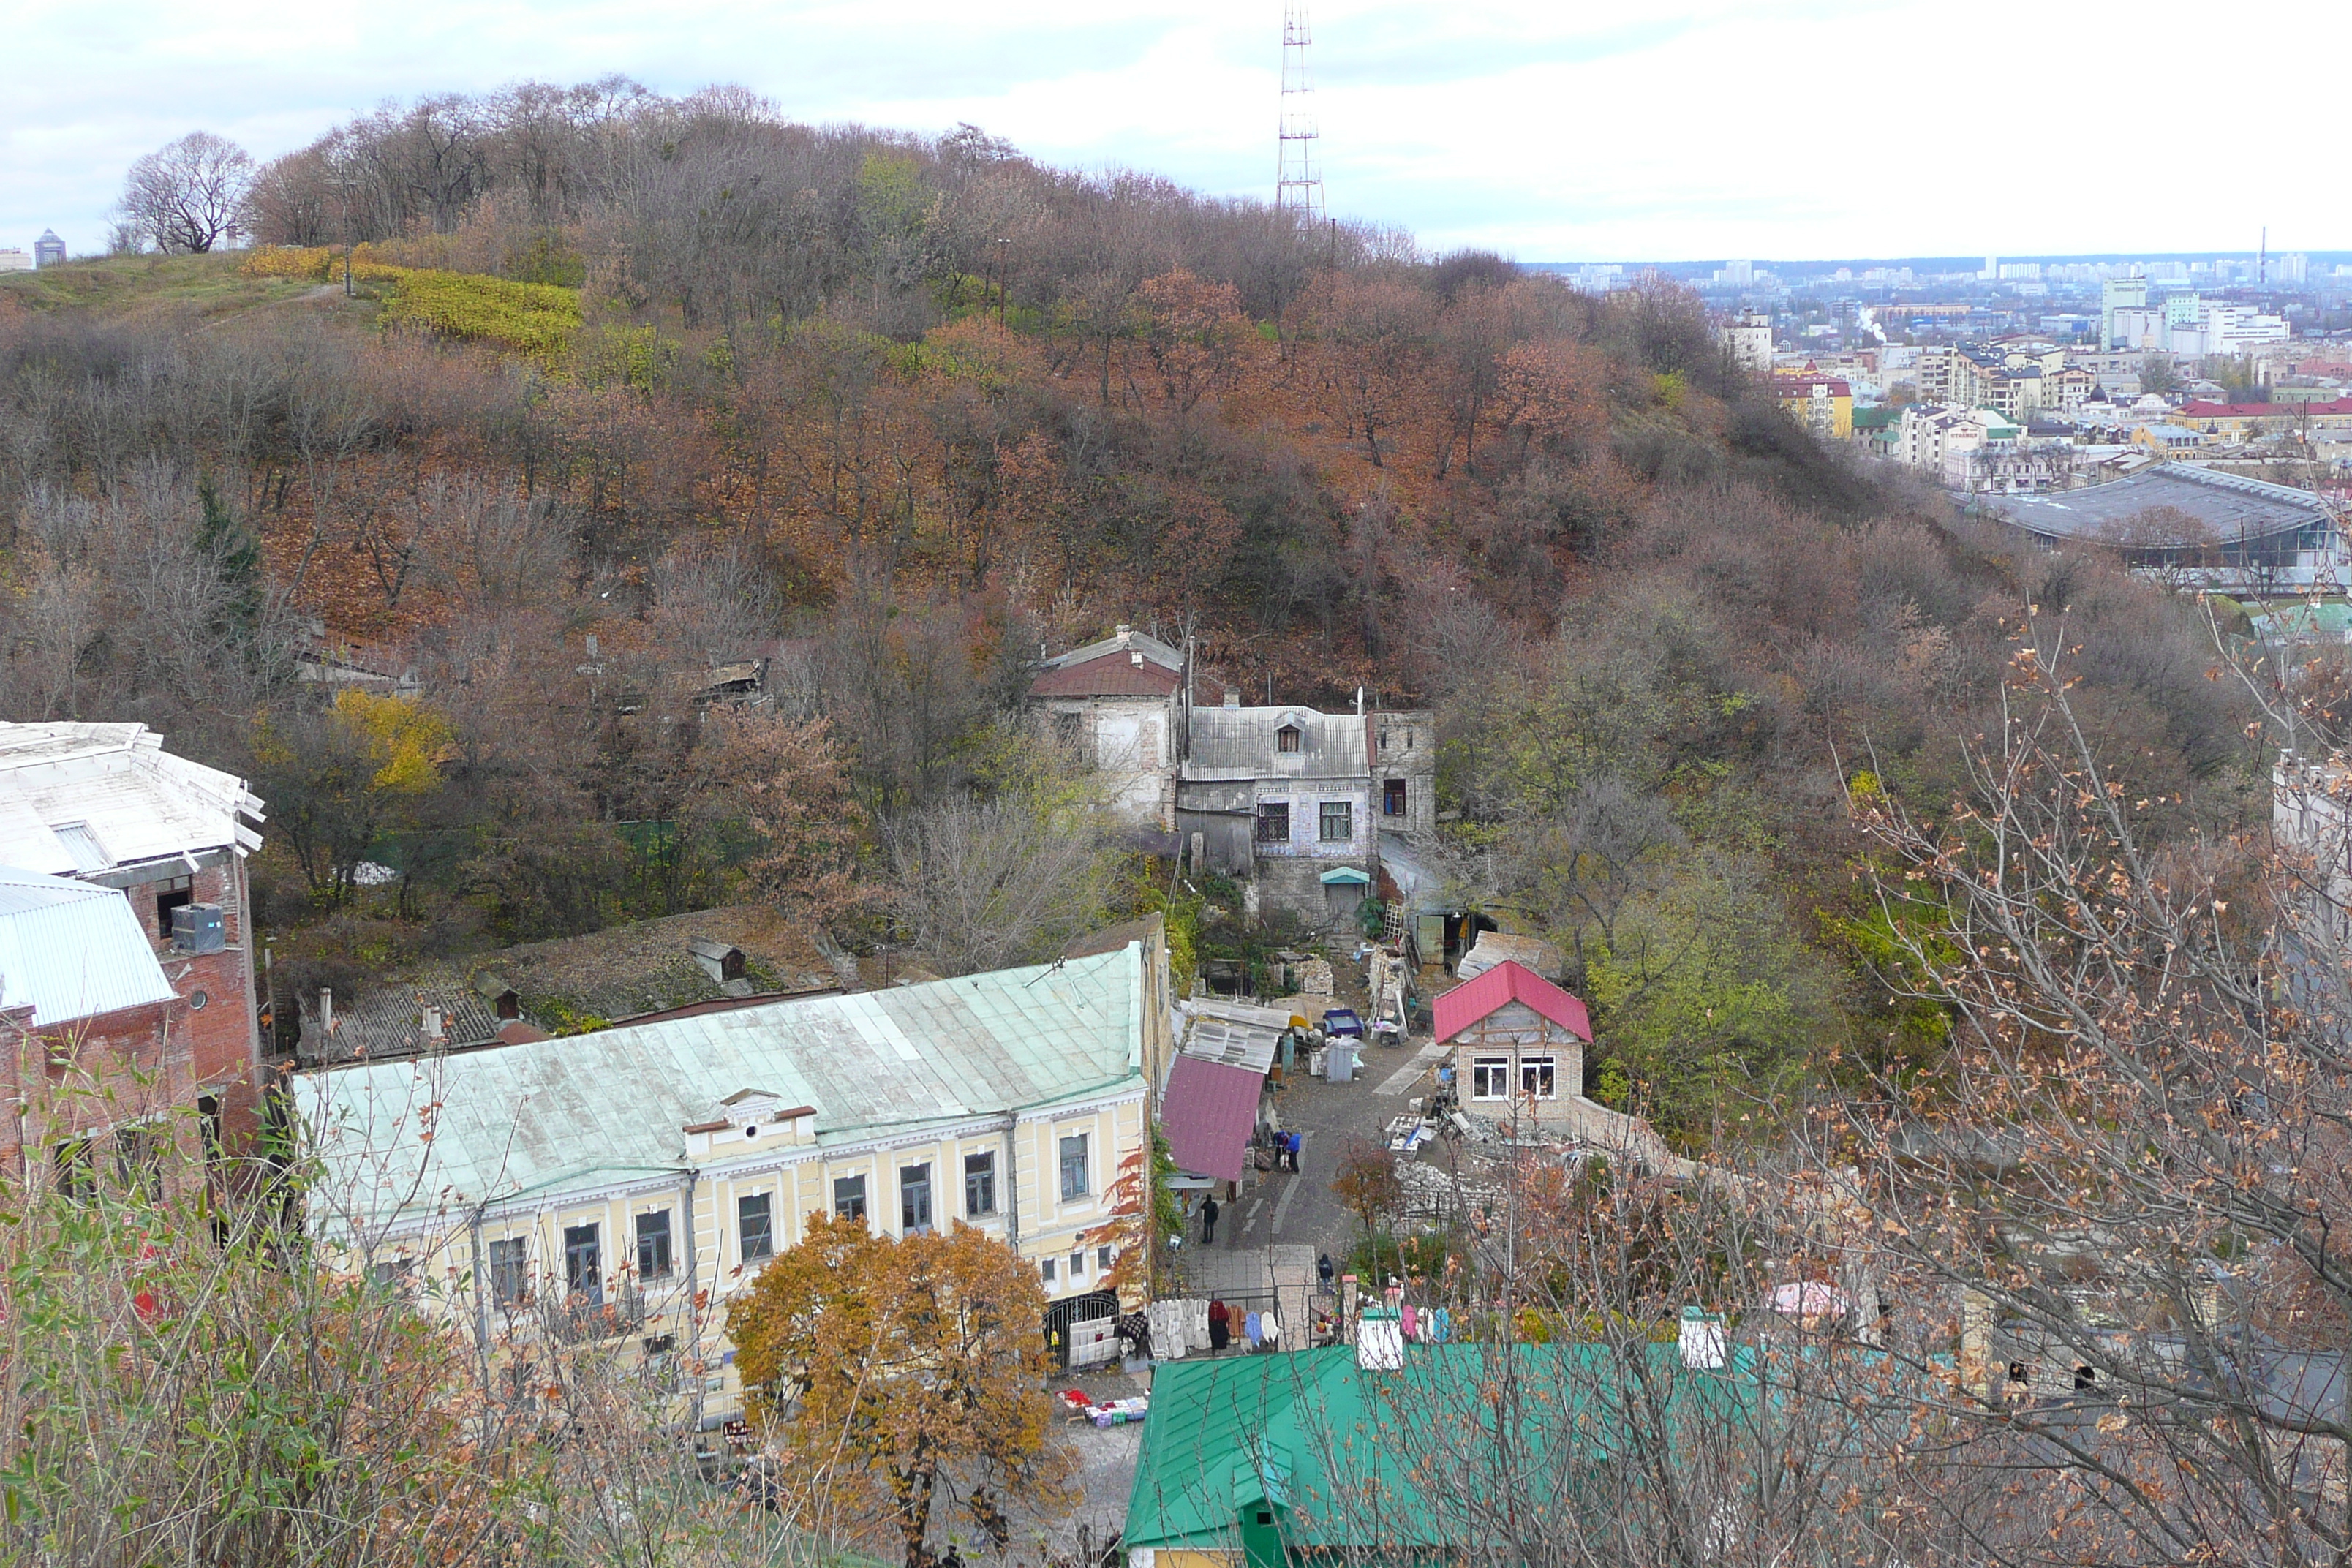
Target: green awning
{"type": "Point", "coordinates": [1347, 874]}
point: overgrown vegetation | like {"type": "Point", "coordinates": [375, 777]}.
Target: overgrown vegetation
{"type": "Point", "coordinates": [648, 387]}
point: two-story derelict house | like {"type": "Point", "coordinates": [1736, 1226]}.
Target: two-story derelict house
{"type": "Point", "coordinates": [636, 1178]}
{"type": "Point", "coordinates": [1121, 704]}
{"type": "Point", "coordinates": [1292, 801]}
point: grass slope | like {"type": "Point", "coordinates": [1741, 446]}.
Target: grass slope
{"type": "Point", "coordinates": [123, 285]}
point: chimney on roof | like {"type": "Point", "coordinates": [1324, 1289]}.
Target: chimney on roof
{"type": "Point", "coordinates": [1233, 698]}
{"type": "Point", "coordinates": [327, 1008]}
{"type": "Point", "coordinates": [432, 1029]}
{"type": "Point", "coordinates": [1124, 630]}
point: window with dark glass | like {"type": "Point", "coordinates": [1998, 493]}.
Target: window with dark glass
{"type": "Point", "coordinates": [1392, 797]}
{"type": "Point", "coordinates": [179, 895]}
{"type": "Point", "coordinates": [755, 1225]}
{"type": "Point", "coordinates": [914, 1198]}
{"type": "Point", "coordinates": [652, 1245]}
{"type": "Point", "coordinates": [1074, 1166]}
{"type": "Point", "coordinates": [583, 1263]}
{"type": "Point", "coordinates": [1490, 1077]}
{"type": "Point", "coordinates": [510, 1258]}
{"type": "Point", "coordinates": [979, 1184]}
{"type": "Point", "coordinates": [1274, 821]}
{"type": "Point", "coordinates": [1536, 1078]}
{"type": "Point", "coordinates": [75, 1182]}
{"type": "Point", "coordinates": [1338, 821]}
{"type": "Point", "coordinates": [849, 1197]}
{"type": "Point", "coordinates": [139, 1161]}
{"type": "Point", "coordinates": [1287, 738]}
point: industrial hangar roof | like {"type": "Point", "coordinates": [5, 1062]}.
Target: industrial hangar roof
{"type": "Point", "coordinates": [2228, 506]}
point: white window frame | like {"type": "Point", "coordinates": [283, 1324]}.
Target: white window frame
{"type": "Point", "coordinates": [491, 1263]}
{"type": "Point", "coordinates": [1547, 1067]}
{"type": "Point", "coordinates": [1485, 1070]}
{"type": "Point", "coordinates": [743, 1233]}
{"type": "Point", "coordinates": [989, 1175]}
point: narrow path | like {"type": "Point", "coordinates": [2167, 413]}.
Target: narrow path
{"type": "Point", "coordinates": [1399, 1084]}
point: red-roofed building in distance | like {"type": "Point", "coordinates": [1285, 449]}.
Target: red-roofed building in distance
{"type": "Point", "coordinates": [107, 807]}
{"type": "Point", "coordinates": [1821, 403]}
{"type": "Point", "coordinates": [2245, 421]}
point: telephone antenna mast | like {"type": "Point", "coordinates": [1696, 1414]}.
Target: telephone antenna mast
{"type": "Point", "coordinates": [1299, 185]}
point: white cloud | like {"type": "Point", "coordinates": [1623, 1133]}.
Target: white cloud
{"type": "Point", "coordinates": [1692, 129]}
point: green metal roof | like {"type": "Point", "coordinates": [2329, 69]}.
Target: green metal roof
{"type": "Point", "coordinates": [1346, 874]}
{"type": "Point", "coordinates": [2326, 619]}
{"type": "Point", "coordinates": [1392, 1461]}
{"type": "Point", "coordinates": [575, 1113]}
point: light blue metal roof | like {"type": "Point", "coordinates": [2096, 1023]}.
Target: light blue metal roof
{"type": "Point", "coordinates": [69, 950]}
{"type": "Point", "coordinates": [576, 1113]}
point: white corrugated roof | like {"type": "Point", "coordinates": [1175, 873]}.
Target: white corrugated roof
{"type": "Point", "coordinates": [571, 1114]}
{"type": "Point", "coordinates": [70, 794]}
{"type": "Point", "coordinates": [71, 951]}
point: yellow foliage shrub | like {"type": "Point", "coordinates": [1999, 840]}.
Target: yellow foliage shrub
{"type": "Point", "coordinates": [538, 318]}
{"type": "Point", "coordinates": [312, 262]}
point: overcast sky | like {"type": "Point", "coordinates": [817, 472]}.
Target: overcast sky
{"type": "Point", "coordinates": [1660, 130]}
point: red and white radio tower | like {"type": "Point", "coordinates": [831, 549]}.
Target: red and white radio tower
{"type": "Point", "coordinates": [1298, 186]}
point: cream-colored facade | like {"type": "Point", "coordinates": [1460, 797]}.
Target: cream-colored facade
{"type": "Point", "coordinates": [1018, 1101]}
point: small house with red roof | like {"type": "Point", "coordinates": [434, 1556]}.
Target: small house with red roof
{"type": "Point", "coordinates": [1518, 1057]}
{"type": "Point", "coordinates": [1518, 1041]}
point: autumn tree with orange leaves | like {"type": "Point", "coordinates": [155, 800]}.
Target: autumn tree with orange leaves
{"type": "Point", "coordinates": [910, 1370]}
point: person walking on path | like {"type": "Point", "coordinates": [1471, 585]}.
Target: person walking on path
{"type": "Point", "coordinates": [1209, 1220]}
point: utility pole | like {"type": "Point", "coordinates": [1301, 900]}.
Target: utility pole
{"type": "Point", "coordinates": [1299, 185]}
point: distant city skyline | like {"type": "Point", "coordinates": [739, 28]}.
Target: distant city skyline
{"type": "Point", "coordinates": [1697, 129]}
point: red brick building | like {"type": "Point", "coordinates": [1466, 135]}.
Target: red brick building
{"type": "Point", "coordinates": [105, 806]}
{"type": "Point", "coordinates": [97, 1061]}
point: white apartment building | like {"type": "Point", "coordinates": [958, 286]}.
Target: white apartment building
{"type": "Point", "coordinates": [1748, 338]}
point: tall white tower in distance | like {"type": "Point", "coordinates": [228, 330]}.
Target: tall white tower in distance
{"type": "Point", "coordinates": [1299, 183]}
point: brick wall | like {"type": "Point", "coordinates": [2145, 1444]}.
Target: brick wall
{"type": "Point", "coordinates": [218, 1024]}
{"type": "Point", "coordinates": [81, 1078]}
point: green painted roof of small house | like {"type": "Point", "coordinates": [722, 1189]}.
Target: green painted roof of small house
{"type": "Point", "coordinates": [2304, 621]}
{"type": "Point", "coordinates": [1392, 1460]}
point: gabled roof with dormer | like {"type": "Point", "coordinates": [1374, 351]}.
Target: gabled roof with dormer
{"type": "Point", "coordinates": [1233, 744]}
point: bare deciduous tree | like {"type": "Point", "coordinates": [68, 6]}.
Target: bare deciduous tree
{"type": "Point", "coordinates": [186, 197]}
